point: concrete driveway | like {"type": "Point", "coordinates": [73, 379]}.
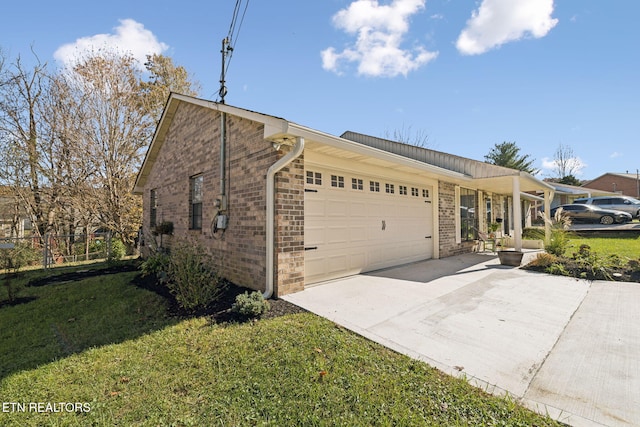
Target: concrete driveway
{"type": "Point", "coordinates": [565, 347]}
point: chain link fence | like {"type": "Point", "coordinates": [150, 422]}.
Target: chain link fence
{"type": "Point", "coordinates": [53, 249]}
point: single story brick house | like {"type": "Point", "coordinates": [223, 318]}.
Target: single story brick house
{"type": "Point", "coordinates": [627, 184]}
{"type": "Point", "coordinates": [282, 206]}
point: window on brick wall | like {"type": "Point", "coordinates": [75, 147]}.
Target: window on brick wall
{"type": "Point", "coordinates": [195, 202]}
{"type": "Point", "coordinates": [153, 208]}
{"type": "Point", "coordinates": [468, 219]}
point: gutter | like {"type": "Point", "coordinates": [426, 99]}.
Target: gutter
{"type": "Point", "coordinates": [271, 173]}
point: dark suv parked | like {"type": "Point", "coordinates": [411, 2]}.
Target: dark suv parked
{"type": "Point", "coordinates": [618, 203]}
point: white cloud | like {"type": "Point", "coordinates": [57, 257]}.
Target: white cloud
{"type": "Point", "coordinates": [128, 37]}
{"type": "Point", "coordinates": [379, 30]}
{"type": "Point", "coordinates": [497, 22]}
{"type": "Point", "coordinates": [614, 155]}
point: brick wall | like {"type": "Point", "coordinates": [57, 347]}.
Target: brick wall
{"type": "Point", "coordinates": [290, 228]}
{"type": "Point", "coordinates": [192, 146]}
{"type": "Point", "coordinates": [615, 183]}
{"type": "Point", "coordinates": [447, 214]}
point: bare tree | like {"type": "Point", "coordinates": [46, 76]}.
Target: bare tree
{"type": "Point", "coordinates": [406, 135]}
{"type": "Point", "coordinates": [115, 129]}
{"type": "Point", "coordinates": [566, 163]}
{"type": "Point", "coordinates": [71, 143]}
{"type": "Point", "coordinates": [21, 124]}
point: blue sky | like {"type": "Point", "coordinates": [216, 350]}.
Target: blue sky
{"type": "Point", "coordinates": [466, 74]}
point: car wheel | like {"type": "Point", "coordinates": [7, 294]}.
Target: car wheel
{"type": "Point", "coordinates": [606, 220]}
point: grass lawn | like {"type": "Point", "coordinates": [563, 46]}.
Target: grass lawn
{"type": "Point", "coordinates": [623, 245]}
{"type": "Point", "coordinates": [109, 345]}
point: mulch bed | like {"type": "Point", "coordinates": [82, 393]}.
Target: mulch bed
{"type": "Point", "coordinates": [574, 269]}
{"type": "Point", "coordinates": [220, 311]}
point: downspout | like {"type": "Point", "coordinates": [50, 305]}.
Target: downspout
{"type": "Point", "coordinates": [223, 161]}
{"type": "Point", "coordinates": [271, 173]}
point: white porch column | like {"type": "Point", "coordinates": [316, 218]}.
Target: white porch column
{"type": "Point", "coordinates": [547, 209]}
{"type": "Point", "coordinates": [517, 214]}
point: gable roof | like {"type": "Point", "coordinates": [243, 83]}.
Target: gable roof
{"type": "Point", "coordinates": [478, 170]}
{"type": "Point", "coordinates": [633, 176]}
{"type": "Point", "coordinates": [352, 146]}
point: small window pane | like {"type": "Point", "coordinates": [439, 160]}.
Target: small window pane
{"type": "Point", "coordinates": [196, 189]}
{"type": "Point", "coordinates": [390, 188]}
{"type": "Point", "coordinates": [357, 184]}
{"type": "Point", "coordinates": [153, 212]}
{"type": "Point", "coordinates": [374, 186]}
{"type": "Point", "coordinates": [314, 178]}
{"type": "Point", "coordinates": [337, 181]}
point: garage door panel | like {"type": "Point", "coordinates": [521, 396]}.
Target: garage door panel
{"type": "Point", "coordinates": [337, 234]}
{"type": "Point", "coordinates": [355, 230]}
{"type": "Point", "coordinates": [337, 208]}
{"type": "Point", "coordinates": [314, 235]}
{"type": "Point", "coordinates": [358, 234]}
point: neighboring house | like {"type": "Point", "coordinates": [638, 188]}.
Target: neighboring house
{"type": "Point", "coordinates": [627, 184]}
{"type": "Point", "coordinates": [13, 219]}
{"type": "Point", "coordinates": [284, 206]}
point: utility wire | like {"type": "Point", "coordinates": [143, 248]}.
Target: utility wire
{"type": "Point", "coordinates": [234, 33]}
{"type": "Point", "coordinates": [232, 38]}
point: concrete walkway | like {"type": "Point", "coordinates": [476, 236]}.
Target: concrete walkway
{"type": "Point", "coordinates": [565, 347]}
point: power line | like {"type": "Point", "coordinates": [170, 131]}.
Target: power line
{"type": "Point", "coordinates": [228, 44]}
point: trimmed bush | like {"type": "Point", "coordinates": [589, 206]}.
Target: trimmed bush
{"type": "Point", "coordinates": [250, 305]}
{"type": "Point", "coordinates": [192, 280]}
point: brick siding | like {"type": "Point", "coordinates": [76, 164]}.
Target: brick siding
{"type": "Point", "coordinates": [615, 183]}
{"type": "Point", "coordinates": [191, 147]}
{"type": "Point", "coordinates": [446, 216]}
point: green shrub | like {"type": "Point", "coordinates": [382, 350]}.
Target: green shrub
{"type": "Point", "coordinates": [557, 269]}
{"type": "Point", "coordinates": [157, 265]}
{"type": "Point", "coordinates": [192, 280]}
{"type": "Point", "coordinates": [533, 233]}
{"type": "Point", "coordinates": [559, 242]}
{"type": "Point", "coordinates": [118, 250]}
{"type": "Point", "coordinates": [12, 260]}
{"type": "Point", "coordinates": [250, 304]}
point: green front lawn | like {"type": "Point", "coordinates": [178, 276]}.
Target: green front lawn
{"type": "Point", "coordinates": [109, 346]}
{"type": "Point", "coordinates": [623, 245]}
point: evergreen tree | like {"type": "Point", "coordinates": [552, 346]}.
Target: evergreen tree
{"type": "Point", "coordinates": [507, 154]}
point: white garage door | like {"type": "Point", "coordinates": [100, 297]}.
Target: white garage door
{"type": "Point", "coordinates": [357, 223]}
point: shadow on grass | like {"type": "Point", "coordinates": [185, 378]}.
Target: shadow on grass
{"type": "Point", "coordinates": [68, 313]}
{"type": "Point", "coordinates": [65, 313]}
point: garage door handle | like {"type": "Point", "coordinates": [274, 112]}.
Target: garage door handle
{"type": "Point", "coordinates": [427, 237]}
{"type": "Point", "coordinates": [311, 248]}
